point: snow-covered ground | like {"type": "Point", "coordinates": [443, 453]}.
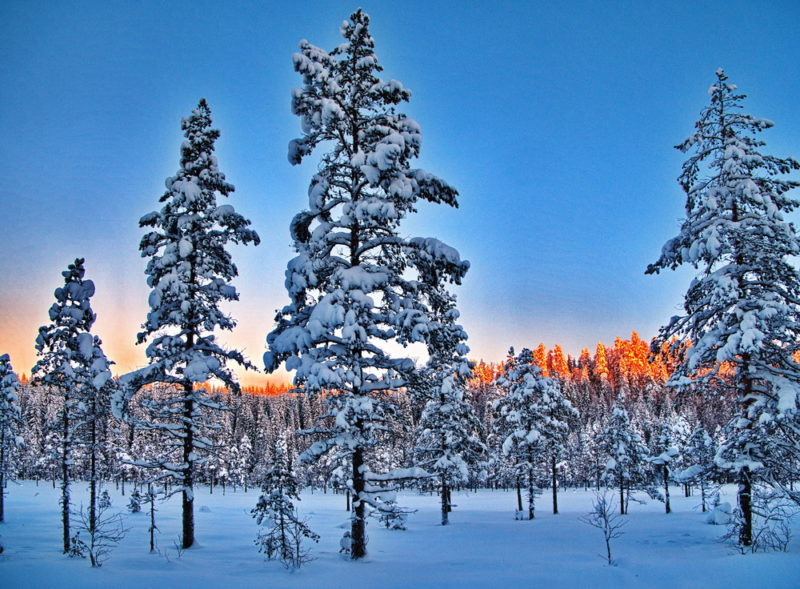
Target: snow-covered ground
{"type": "Point", "coordinates": [482, 547]}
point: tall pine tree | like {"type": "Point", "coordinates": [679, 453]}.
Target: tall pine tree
{"type": "Point", "coordinates": [190, 271]}
{"type": "Point", "coordinates": [625, 452]}
{"type": "Point", "coordinates": [9, 424]}
{"type": "Point", "coordinates": [352, 284]}
{"type": "Point", "coordinates": [743, 307]}
{"type": "Point", "coordinates": [521, 418]}
{"type": "Point", "coordinates": [448, 443]}
{"type": "Point", "coordinates": [663, 456]}
{"type": "Point", "coordinates": [73, 367]}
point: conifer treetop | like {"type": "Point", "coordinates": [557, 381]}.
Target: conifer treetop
{"type": "Point", "coordinates": [9, 385]}
{"type": "Point", "coordinates": [70, 356]}
{"type": "Point", "coordinates": [349, 286]}
{"type": "Point", "coordinates": [742, 308]}
{"type": "Point", "coordinates": [189, 269]}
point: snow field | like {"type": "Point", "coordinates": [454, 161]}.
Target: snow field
{"type": "Point", "coordinates": [482, 547]}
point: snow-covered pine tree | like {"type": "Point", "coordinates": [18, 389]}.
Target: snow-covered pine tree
{"type": "Point", "coordinates": [743, 307]}
{"type": "Point", "coordinates": [699, 456]}
{"type": "Point", "coordinates": [9, 424]}
{"type": "Point", "coordinates": [190, 271]}
{"type": "Point", "coordinates": [73, 367]}
{"type": "Point", "coordinates": [663, 455]}
{"type": "Point", "coordinates": [558, 415]}
{"type": "Point", "coordinates": [284, 531]}
{"type": "Point", "coordinates": [241, 462]}
{"type": "Point", "coordinates": [448, 440]}
{"type": "Point", "coordinates": [520, 417]}
{"type": "Point", "coordinates": [351, 285]}
{"type": "Point", "coordinates": [626, 453]}
{"type": "Point", "coordinates": [91, 416]}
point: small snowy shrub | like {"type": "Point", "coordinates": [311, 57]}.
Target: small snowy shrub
{"type": "Point", "coordinates": [135, 503]}
{"type": "Point", "coordinates": [720, 515]}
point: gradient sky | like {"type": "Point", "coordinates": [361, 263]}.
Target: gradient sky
{"type": "Point", "coordinates": [555, 120]}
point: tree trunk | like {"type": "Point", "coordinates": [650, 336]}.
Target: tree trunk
{"type": "Point", "coordinates": [188, 470]}
{"type": "Point", "coordinates": [745, 504]}
{"type": "Point", "coordinates": [621, 497]}
{"type": "Point", "coordinates": [665, 471]}
{"type": "Point", "coordinates": [2, 472]}
{"type": "Point", "coordinates": [153, 528]}
{"type": "Point", "coordinates": [358, 528]}
{"type": "Point", "coordinates": [65, 475]}
{"type": "Point", "coordinates": [531, 496]}
{"type": "Point", "coordinates": [745, 400]}
{"type": "Point", "coordinates": [519, 496]}
{"type": "Point", "coordinates": [93, 476]}
{"type": "Point", "coordinates": [703, 496]}
{"type": "Point", "coordinates": [555, 484]}
{"type": "Point", "coordinates": [745, 494]}
{"type": "Point", "coordinates": [445, 501]}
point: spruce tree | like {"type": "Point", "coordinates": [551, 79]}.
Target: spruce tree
{"type": "Point", "coordinates": [521, 417]}
{"type": "Point", "coordinates": [663, 456]}
{"type": "Point", "coordinates": [558, 415]}
{"type": "Point", "coordinates": [190, 272]}
{"type": "Point", "coordinates": [625, 452]}
{"type": "Point", "coordinates": [9, 424]}
{"type": "Point", "coordinates": [742, 310]}
{"type": "Point", "coordinates": [699, 456]}
{"type": "Point", "coordinates": [448, 443]}
{"type": "Point", "coordinates": [73, 367]}
{"type": "Point", "coordinates": [356, 283]}
{"type": "Point", "coordinates": [283, 531]}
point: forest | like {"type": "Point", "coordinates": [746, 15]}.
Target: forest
{"type": "Point", "coordinates": [710, 404]}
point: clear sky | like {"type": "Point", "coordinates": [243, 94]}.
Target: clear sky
{"type": "Point", "coordinates": [555, 120]}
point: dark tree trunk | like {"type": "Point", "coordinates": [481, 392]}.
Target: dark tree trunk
{"type": "Point", "coordinates": [745, 504]}
{"type": "Point", "coordinates": [188, 472]}
{"type": "Point", "coordinates": [153, 527]}
{"type": "Point", "coordinates": [358, 531]}
{"type": "Point", "coordinates": [745, 400]}
{"type": "Point", "coordinates": [93, 475]}
{"type": "Point", "coordinates": [445, 501]}
{"type": "Point", "coordinates": [2, 472]}
{"type": "Point", "coordinates": [531, 491]}
{"type": "Point", "coordinates": [703, 496]}
{"type": "Point", "coordinates": [621, 497]}
{"type": "Point", "coordinates": [519, 496]}
{"type": "Point", "coordinates": [665, 471]}
{"type": "Point", "coordinates": [65, 475]}
{"type": "Point", "coordinates": [745, 494]}
{"type": "Point", "coordinates": [555, 484]}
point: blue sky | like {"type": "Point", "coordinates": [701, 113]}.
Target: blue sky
{"type": "Point", "coordinates": [555, 120]}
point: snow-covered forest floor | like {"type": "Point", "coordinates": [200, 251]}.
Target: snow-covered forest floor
{"type": "Point", "coordinates": [483, 546]}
